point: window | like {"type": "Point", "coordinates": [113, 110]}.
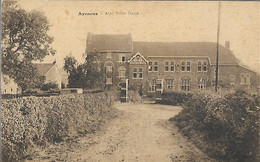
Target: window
{"type": "Point", "coordinates": [166, 66]}
{"type": "Point", "coordinates": [205, 66]}
{"type": "Point", "coordinates": [188, 66]}
{"type": "Point", "coordinates": [11, 90]}
{"type": "Point", "coordinates": [202, 84]}
{"type": "Point", "coordinates": [152, 85]}
{"type": "Point", "coordinates": [5, 90]}
{"type": "Point", "coordinates": [123, 58]}
{"type": "Point", "coordinates": [137, 73]}
{"type": "Point", "coordinates": [169, 83]}
{"type": "Point", "coordinates": [134, 72]}
{"type": "Point", "coordinates": [182, 66]}
{"type": "Point", "coordinates": [121, 71]}
{"type": "Point", "coordinates": [150, 66]}
{"type": "Point", "coordinates": [199, 66]}
{"type": "Point", "coordinates": [172, 66]}
{"type": "Point", "coordinates": [185, 84]}
{"type": "Point", "coordinates": [109, 66]}
{"type": "Point", "coordinates": [244, 78]}
{"type": "Point", "coordinates": [109, 69]}
{"type": "Point", "coordinates": [155, 66]}
{"type": "Point", "coordinates": [108, 80]}
{"type": "Point", "coordinates": [140, 74]}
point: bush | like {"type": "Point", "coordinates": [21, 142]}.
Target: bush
{"type": "Point", "coordinates": [36, 121]}
{"type": "Point", "coordinates": [133, 96]}
{"type": "Point", "coordinates": [174, 98]}
{"type": "Point", "coordinates": [49, 86]}
{"type": "Point", "coordinates": [228, 124]}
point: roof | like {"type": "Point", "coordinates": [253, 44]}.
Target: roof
{"type": "Point", "coordinates": [205, 49]}
{"type": "Point", "coordinates": [106, 43]}
{"type": "Point", "coordinates": [43, 68]}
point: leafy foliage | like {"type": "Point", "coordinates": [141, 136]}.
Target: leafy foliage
{"type": "Point", "coordinates": [88, 75]}
{"type": "Point", "coordinates": [40, 121]}
{"type": "Point", "coordinates": [24, 39]}
{"type": "Point", "coordinates": [174, 98]}
{"type": "Point", "coordinates": [228, 124]}
{"type": "Point", "coordinates": [49, 86]}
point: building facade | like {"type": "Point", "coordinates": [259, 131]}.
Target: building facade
{"type": "Point", "coordinates": [8, 86]}
{"type": "Point", "coordinates": [50, 72]}
{"type": "Point", "coordinates": [168, 66]}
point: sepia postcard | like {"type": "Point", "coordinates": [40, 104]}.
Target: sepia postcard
{"type": "Point", "coordinates": [147, 81]}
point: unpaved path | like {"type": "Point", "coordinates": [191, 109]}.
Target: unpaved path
{"type": "Point", "coordinates": [141, 133]}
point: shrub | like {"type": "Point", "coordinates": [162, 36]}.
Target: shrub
{"type": "Point", "coordinates": [227, 123]}
{"type": "Point", "coordinates": [49, 86]}
{"type": "Point", "coordinates": [133, 96]}
{"type": "Point", "coordinates": [175, 98]}
{"type": "Point", "coordinates": [36, 121]}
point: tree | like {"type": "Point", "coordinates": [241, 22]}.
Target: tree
{"type": "Point", "coordinates": [24, 39]}
{"type": "Point", "coordinates": [76, 75]}
{"type": "Point", "coordinates": [94, 77]}
{"type": "Point", "coordinates": [87, 75]}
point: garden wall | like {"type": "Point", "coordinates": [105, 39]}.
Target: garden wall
{"type": "Point", "coordinates": [226, 127]}
{"type": "Point", "coordinates": [38, 121]}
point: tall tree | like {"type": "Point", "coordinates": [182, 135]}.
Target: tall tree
{"type": "Point", "coordinates": [24, 39]}
{"type": "Point", "coordinates": [87, 75]}
{"type": "Point", "coordinates": [76, 75]}
{"type": "Point", "coordinates": [95, 71]}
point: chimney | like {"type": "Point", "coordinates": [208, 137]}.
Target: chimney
{"type": "Point", "coordinates": [227, 44]}
{"type": "Point", "coordinates": [54, 62]}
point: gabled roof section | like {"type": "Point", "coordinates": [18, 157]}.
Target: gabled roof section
{"type": "Point", "coordinates": [109, 43]}
{"type": "Point", "coordinates": [43, 68]}
{"type": "Point", "coordinates": [138, 54]}
{"type": "Point", "coordinates": [185, 49]}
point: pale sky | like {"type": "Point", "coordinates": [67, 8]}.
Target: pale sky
{"type": "Point", "coordinates": [161, 21]}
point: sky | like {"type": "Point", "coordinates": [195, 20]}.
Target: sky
{"type": "Point", "coordinates": [160, 21]}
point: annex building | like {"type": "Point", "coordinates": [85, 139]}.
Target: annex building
{"type": "Point", "coordinates": [168, 66]}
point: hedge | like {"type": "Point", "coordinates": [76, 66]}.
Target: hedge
{"type": "Point", "coordinates": [174, 98]}
{"type": "Point", "coordinates": [38, 121]}
{"type": "Point", "coordinates": [225, 126]}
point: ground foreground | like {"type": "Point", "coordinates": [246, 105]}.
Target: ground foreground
{"type": "Point", "coordinates": [141, 132]}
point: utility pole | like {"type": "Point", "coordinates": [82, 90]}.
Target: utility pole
{"type": "Point", "coordinates": [216, 81]}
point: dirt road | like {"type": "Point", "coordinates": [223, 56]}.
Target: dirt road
{"type": "Point", "coordinates": [141, 133]}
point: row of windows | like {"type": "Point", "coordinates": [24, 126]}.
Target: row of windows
{"type": "Point", "coordinates": [185, 66]}
{"type": "Point", "coordinates": [185, 84]}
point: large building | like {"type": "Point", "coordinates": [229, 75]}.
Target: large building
{"type": "Point", "coordinates": [171, 66]}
